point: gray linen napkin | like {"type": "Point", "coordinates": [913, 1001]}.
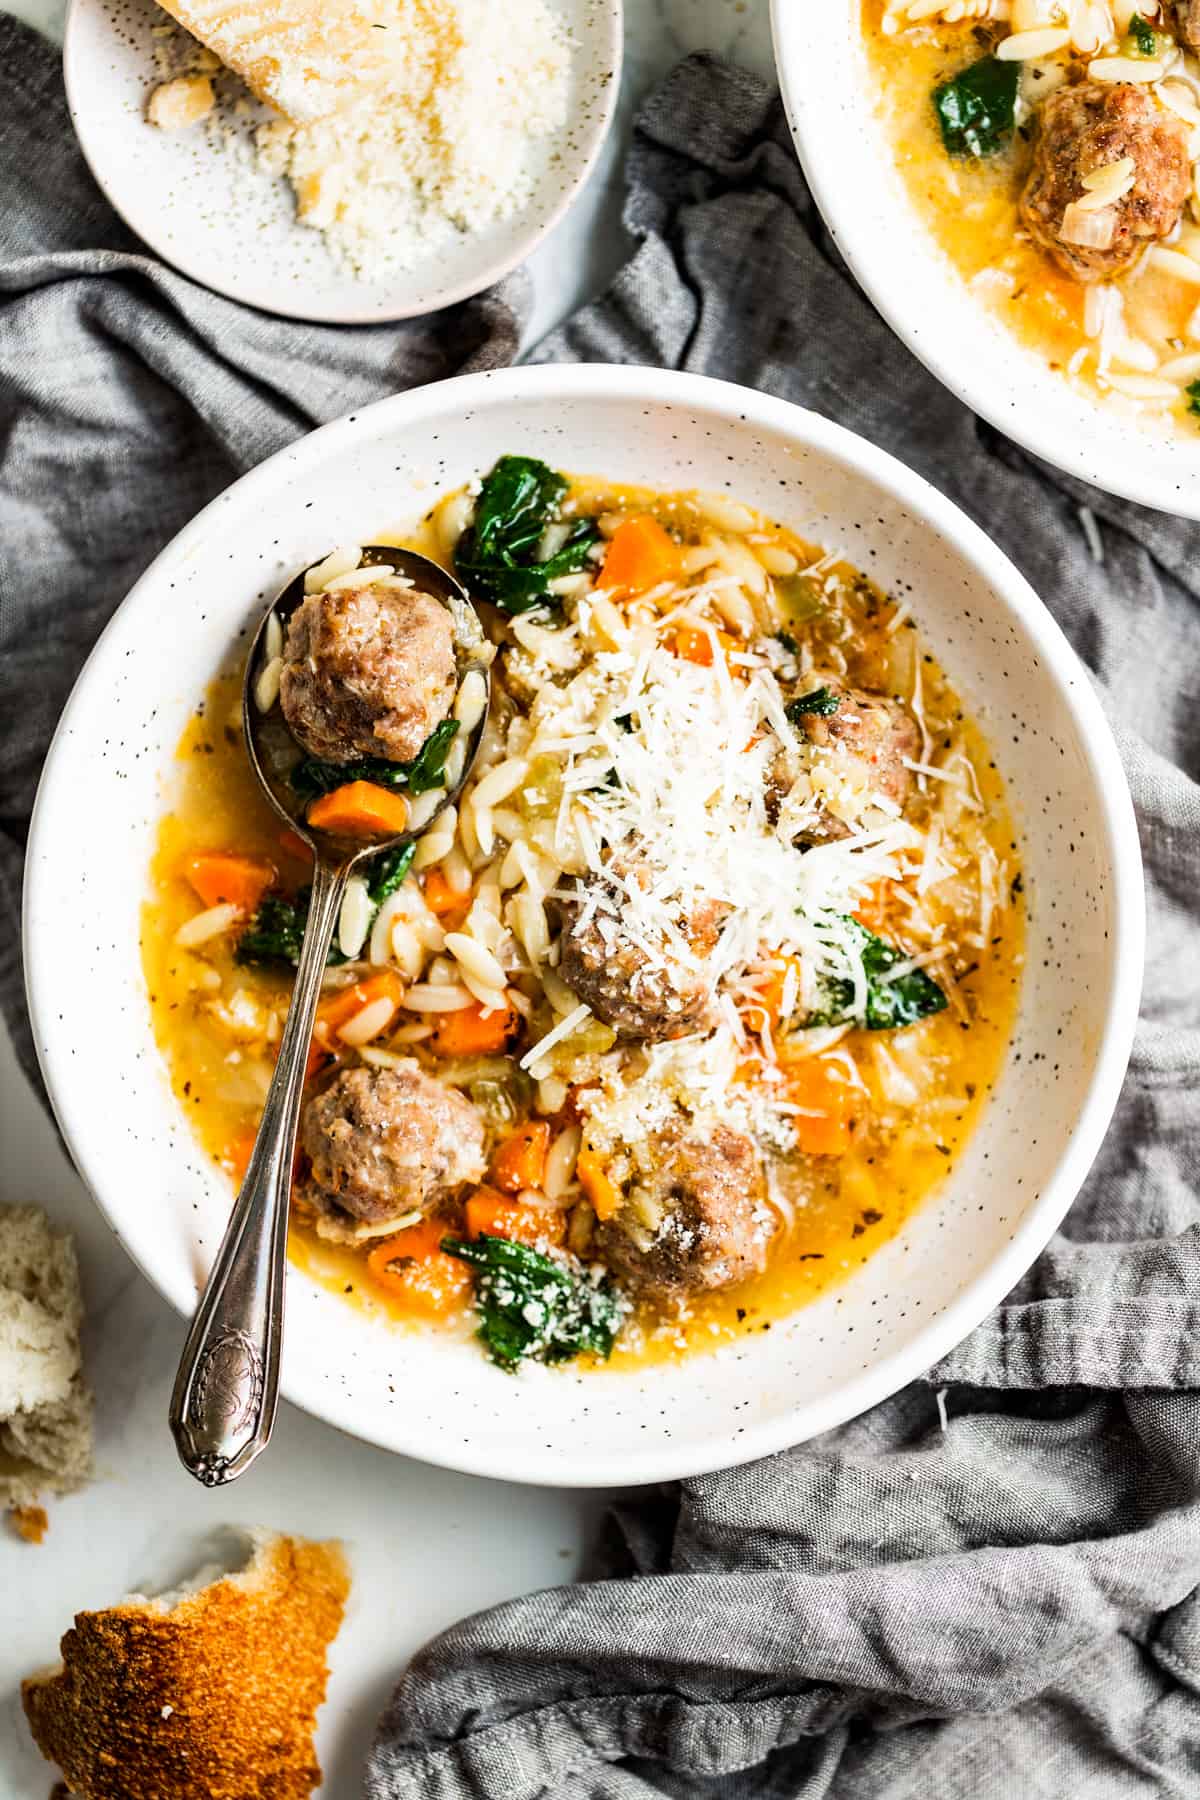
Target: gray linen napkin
{"type": "Point", "coordinates": [129, 397]}
{"type": "Point", "coordinates": [1004, 1607]}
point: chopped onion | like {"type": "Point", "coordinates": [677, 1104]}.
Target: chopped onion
{"type": "Point", "coordinates": [1091, 230]}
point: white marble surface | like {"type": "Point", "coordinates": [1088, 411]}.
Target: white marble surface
{"type": "Point", "coordinates": [426, 1546]}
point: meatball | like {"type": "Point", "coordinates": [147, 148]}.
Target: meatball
{"type": "Point", "coordinates": [865, 743]}
{"type": "Point", "coordinates": [695, 1215]}
{"type": "Point", "coordinates": [1187, 23]}
{"type": "Point", "coordinates": [367, 671]}
{"type": "Point", "coordinates": [640, 998]}
{"type": "Point", "coordinates": [382, 1142]}
{"type": "Point", "coordinates": [1084, 128]}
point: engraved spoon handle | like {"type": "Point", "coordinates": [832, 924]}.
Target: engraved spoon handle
{"type": "Point", "coordinates": [223, 1403]}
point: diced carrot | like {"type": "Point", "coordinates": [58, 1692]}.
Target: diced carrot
{"type": "Point", "coordinates": [238, 1152]}
{"type": "Point", "coordinates": [872, 909]}
{"type": "Point", "coordinates": [1057, 301]}
{"type": "Point", "coordinates": [338, 1009]}
{"type": "Point", "coordinates": [597, 1184]}
{"type": "Point", "coordinates": [825, 1126]}
{"type": "Point", "coordinates": [765, 1013]}
{"type": "Point", "coordinates": [469, 1032]}
{"type": "Point", "coordinates": [640, 554]}
{"type": "Point", "coordinates": [413, 1269]}
{"type": "Point", "coordinates": [520, 1161]}
{"type": "Point", "coordinates": [693, 645]}
{"type": "Point", "coordinates": [360, 809]}
{"type": "Point", "coordinates": [445, 901]}
{"type": "Point", "coordinates": [240, 1149]}
{"type": "Point", "coordinates": [498, 1216]}
{"type": "Point", "coordinates": [227, 878]}
{"type": "Point", "coordinates": [1059, 297]}
{"type": "Point", "coordinates": [292, 844]}
{"type": "Point", "coordinates": [696, 646]}
{"type": "Point", "coordinates": [823, 1136]}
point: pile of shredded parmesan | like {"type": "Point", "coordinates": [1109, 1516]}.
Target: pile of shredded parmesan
{"type": "Point", "coordinates": [432, 140]}
{"type": "Point", "coordinates": [673, 761]}
{"type": "Point", "coordinates": [690, 791]}
{"type": "Point", "coordinates": [446, 148]}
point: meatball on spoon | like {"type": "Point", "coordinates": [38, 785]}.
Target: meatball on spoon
{"type": "Point", "coordinates": [374, 650]}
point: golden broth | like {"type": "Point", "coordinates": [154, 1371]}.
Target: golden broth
{"type": "Point", "coordinates": [216, 1023]}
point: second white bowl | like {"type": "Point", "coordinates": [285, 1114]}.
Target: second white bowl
{"type": "Point", "coordinates": [831, 109]}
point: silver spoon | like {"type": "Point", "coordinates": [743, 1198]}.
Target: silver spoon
{"type": "Point", "coordinates": [223, 1402]}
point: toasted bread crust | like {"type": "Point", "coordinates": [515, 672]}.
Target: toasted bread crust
{"type": "Point", "coordinates": [214, 1700]}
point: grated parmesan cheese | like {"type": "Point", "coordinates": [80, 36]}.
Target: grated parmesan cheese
{"type": "Point", "coordinates": [683, 790]}
{"type": "Point", "coordinates": [688, 796]}
{"type": "Point", "coordinates": [445, 148]}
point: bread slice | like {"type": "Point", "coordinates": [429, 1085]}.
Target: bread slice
{"type": "Point", "coordinates": [37, 1259]}
{"type": "Point", "coordinates": [307, 58]}
{"type": "Point", "coordinates": [45, 1406]}
{"type": "Point", "coordinates": [39, 1355]}
{"type": "Point", "coordinates": [207, 1693]}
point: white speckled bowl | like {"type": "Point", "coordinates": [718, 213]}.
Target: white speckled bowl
{"type": "Point", "coordinates": [829, 98]}
{"type": "Point", "coordinates": [435, 1397]}
{"type": "Point", "coordinates": [223, 221]}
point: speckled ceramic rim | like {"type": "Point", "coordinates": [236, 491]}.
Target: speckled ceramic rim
{"type": "Point", "coordinates": [76, 72]}
{"type": "Point", "coordinates": [409, 413]}
{"type": "Point", "coordinates": [924, 300]}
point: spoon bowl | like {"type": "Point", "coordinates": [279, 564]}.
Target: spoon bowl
{"type": "Point", "coordinates": [225, 1393]}
{"type": "Point", "coordinates": [266, 736]}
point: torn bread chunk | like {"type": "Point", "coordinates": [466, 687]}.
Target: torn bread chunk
{"type": "Point", "coordinates": [188, 1696]}
{"type": "Point", "coordinates": [30, 1523]}
{"type": "Point", "coordinates": [45, 1406]}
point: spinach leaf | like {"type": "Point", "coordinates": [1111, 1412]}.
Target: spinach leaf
{"type": "Point", "coordinates": [429, 765]}
{"type": "Point", "coordinates": [1142, 32]}
{"type": "Point", "coordinates": [788, 641]}
{"type": "Point", "coordinates": [1192, 390]}
{"type": "Point", "coordinates": [497, 554]}
{"type": "Point", "coordinates": [889, 1004]}
{"type": "Point", "coordinates": [976, 108]}
{"type": "Point", "coordinates": [822, 701]}
{"type": "Point", "coordinates": [516, 503]}
{"type": "Point", "coordinates": [386, 873]}
{"type": "Point", "coordinates": [311, 777]}
{"type": "Point", "coordinates": [537, 1306]}
{"type": "Point", "coordinates": [276, 932]}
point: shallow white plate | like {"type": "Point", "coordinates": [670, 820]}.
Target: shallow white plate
{"type": "Point", "coordinates": [434, 1397]}
{"type": "Point", "coordinates": [229, 225]}
{"type": "Point", "coordinates": [829, 99]}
